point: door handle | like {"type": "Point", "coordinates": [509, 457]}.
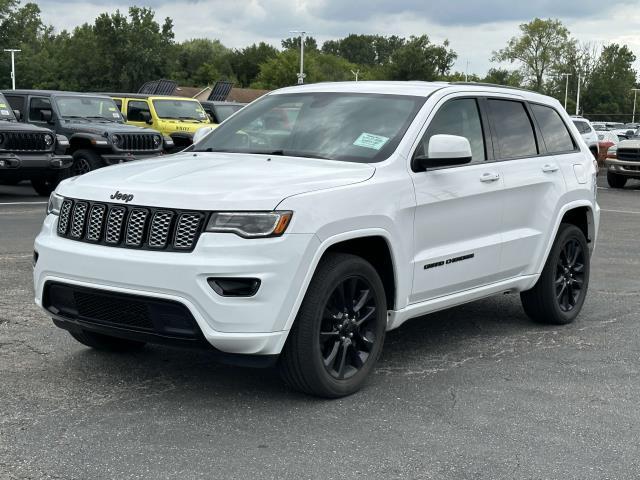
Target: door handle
{"type": "Point", "coordinates": [550, 167]}
{"type": "Point", "coordinates": [489, 177]}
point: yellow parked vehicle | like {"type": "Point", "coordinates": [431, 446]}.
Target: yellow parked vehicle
{"type": "Point", "coordinates": [175, 117]}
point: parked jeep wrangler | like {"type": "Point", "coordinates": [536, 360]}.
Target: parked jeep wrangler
{"type": "Point", "coordinates": [31, 153]}
{"type": "Point", "coordinates": [95, 128]}
{"type": "Point", "coordinates": [176, 117]}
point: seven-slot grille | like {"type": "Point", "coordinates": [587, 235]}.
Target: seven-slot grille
{"type": "Point", "coordinates": [137, 141]}
{"type": "Point", "coordinates": [25, 142]}
{"type": "Point", "coordinates": [127, 226]}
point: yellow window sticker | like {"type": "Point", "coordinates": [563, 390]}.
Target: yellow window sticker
{"type": "Point", "coordinates": [3, 105]}
{"type": "Point", "coordinates": [369, 140]}
{"type": "Point", "coordinates": [112, 109]}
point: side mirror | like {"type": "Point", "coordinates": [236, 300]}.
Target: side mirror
{"type": "Point", "coordinates": [46, 115]}
{"type": "Point", "coordinates": [146, 117]}
{"type": "Point", "coordinates": [18, 114]}
{"type": "Point", "coordinates": [201, 133]}
{"type": "Point", "coordinates": [446, 151]}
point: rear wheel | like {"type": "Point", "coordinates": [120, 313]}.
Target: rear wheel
{"type": "Point", "coordinates": [339, 331]}
{"type": "Point", "coordinates": [616, 181]}
{"type": "Point", "coordinates": [105, 342]}
{"type": "Point", "coordinates": [85, 161]}
{"type": "Point", "coordinates": [560, 292]}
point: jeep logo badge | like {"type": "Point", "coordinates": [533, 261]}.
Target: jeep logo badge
{"type": "Point", "coordinates": [127, 197]}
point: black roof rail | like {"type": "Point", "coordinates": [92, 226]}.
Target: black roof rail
{"type": "Point", "coordinates": [496, 85]}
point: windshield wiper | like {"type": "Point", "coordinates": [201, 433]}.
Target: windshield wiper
{"type": "Point", "coordinates": [100, 117]}
{"type": "Point", "coordinates": [280, 153]}
{"type": "Point", "coordinates": [75, 117]}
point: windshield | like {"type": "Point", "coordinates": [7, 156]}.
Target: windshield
{"type": "Point", "coordinates": [225, 111]}
{"type": "Point", "coordinates": [99, 108]}
{"type": "Point", "coordinates": [354, 127]}
{"type": "Point", "coordinates": [5, 109]}
{"type": "Point", "coordinates": [180, 110]}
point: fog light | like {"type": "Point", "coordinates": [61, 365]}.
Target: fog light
{"type": "Point", "coordinates": [234, 287]}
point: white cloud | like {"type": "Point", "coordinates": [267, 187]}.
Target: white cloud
{"type": "Point", "coordinates": [239, 23]}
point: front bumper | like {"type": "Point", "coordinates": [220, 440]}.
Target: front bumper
{"type": "Point", "coordinates": [35, 161]}
{"type": "Point", "coordinates": [115, 158]}
{"type": "Point", "coordinates": [622, 167]}
{"type": "Point", "coordinates": [239, 325]}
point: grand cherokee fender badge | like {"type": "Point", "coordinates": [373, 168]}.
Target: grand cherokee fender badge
{"type": "Point", "coordinates": [449, 261]}
{"type": "Point", "coordinates": [126, 197]}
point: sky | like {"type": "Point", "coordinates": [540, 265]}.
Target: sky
{"type": "Point", "coordinates": [474, 28]}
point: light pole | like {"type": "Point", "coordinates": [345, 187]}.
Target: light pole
{"type": "Point", "coordinates": [301, 75]}
{"type": "Point", "coordinates": [566, 90]}
{"type": "Point", "coordinates": [578, 96]}
{"type": "Point", "coordinates": [466, 72]}
{"type": "Point", "coordinates": [635, 92]}
{"type": "Point", "coordinates": [13, 65]}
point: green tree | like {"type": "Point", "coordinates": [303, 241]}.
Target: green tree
{"type": "Point", "coordinates": [502, 76]}
{"type": "Point", "coordinates": [293, 43]}
{"type": "Point", "coordinates": [419, 59]}
{"type": "Point", "coordinates": [609, 89]}
{"type": "Point", "coordinates": [538, 49]}
{"type": "Point", "coordinates": [201, 62]}
{"type": "Point", "coordinates": [246, 62]}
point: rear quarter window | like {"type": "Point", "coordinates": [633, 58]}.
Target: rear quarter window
{"type": "Point", "coordinates": [555, 134]}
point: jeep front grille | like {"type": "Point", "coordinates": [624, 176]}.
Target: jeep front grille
{"type": "Point", "coordinates": [137, 142]}
{"type": "Point", "coordinates": [25, 142]}
{"type": "Point", "coordinates": [127, 226]}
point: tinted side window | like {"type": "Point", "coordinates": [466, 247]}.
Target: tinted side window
{"type": "Point", "coordinates": [135, 109]}
{"type": "Point", "coordinates": [16, 103]}
{"type": "Point", "coordinates": [36, 105]}
{"type": "Point", "coordinates": [513, 128]}
{"type": "Point", "coordinates": [554, 131]}
{"type": "Point", "coordinates": [457, 117]}
{"type": "Point", "coordinates": [583, 127]}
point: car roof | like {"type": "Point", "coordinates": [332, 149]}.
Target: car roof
{"type": "Point", "coordinates": [53, 93]}
{"type": "Point", "coordinates": [218, 102]}
{"type": "Point", "coordinates": [413, 88]}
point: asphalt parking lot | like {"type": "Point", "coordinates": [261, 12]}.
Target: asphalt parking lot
{"type": "Point", "coordinates": [473, 392]}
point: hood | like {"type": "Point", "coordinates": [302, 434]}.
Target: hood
{"type": "Point", "coordinates": [102, 128]}
{"type": "Point", "coordinates": [22, 127]}
{"type": "Point", "coordinates": [214, 181]}
{"type": "Point", "coordinates": [634, 143]}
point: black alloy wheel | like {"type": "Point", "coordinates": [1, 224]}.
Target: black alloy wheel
{"type": "Point", "coordinates": [347, 331]}
{"type": "Point", "coordinates": [570, 275]}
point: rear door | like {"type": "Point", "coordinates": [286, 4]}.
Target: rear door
{"type": "Point", "coordinates": [458, 209]}
{"type": "Point", "coordinates": [533, 183]}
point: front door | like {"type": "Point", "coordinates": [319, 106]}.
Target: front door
{"type": "Point", "coordinates": [457, 233]}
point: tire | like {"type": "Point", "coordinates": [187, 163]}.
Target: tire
{"type": "Point", "coordinates": [106, 342]}
{"type": "Point", "coordinates": [616, 181]}
{"type": "Point", "coordinates": [85, 161]}
{"type": "Point", "coordinates": [45, 185]}
{"type": "Point", "coordinates": [337, 362]}
{"type": "Point", "coordinates": [560, 292]}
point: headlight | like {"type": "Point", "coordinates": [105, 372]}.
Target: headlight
{"type": "Point", "coordinates": [55, 202]}
{"type": "Point", "coordinates": [250, 224]}
{"type": "Point", "coordinates": [612, 152]}
{"type": "Point", "coordinates": [116, 140]}
{"type": "Point", "coordinates": [157, 140]}
{"type": "Point", "coordinates": [48, 140]}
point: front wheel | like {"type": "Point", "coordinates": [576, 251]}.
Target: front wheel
{"type": "Point", "coordinates": [560, 292]}
{"type": "Point", "coordinates": [339, 331]}
{"type": "Point", "coordinates": [84, 161]}
{"type": "Point", "coordinates": [616, 181]}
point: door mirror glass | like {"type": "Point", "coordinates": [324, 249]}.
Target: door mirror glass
{"type": "Point", "coordinates": [445, 151]}
{"type": "Point", "coordinates": [146, 117]}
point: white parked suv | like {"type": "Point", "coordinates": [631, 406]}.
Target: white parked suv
{"type": "Point", "coordinates": [588, 134]}
{"type": "Point", "coordinates": [319, 217]}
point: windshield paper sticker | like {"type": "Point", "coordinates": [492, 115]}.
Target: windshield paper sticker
{"type": "Point", "coordinates": [3, 105]}
{"type": "Point", "coordinates": [4, 112]}
{"type": "Point", "coordinates": [369, 140]}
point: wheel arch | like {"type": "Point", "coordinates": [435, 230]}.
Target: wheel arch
{"type": "Point", "coordinates": [374, 241]}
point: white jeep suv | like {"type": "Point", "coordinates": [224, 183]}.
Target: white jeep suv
{"type": "Point", "coordinates": [319, 217]}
